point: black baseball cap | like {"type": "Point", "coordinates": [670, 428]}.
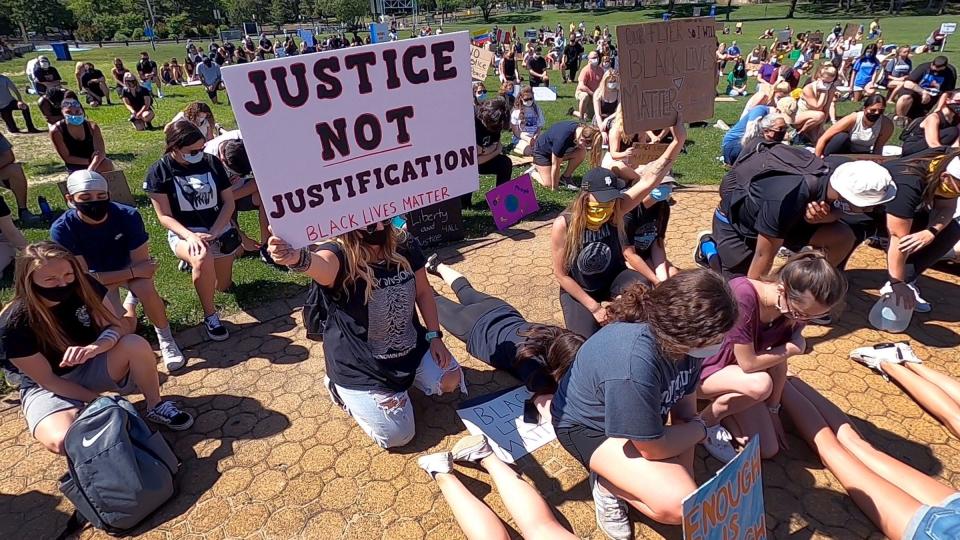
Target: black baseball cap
{"type": "Point", "coordinates": [603, 185]}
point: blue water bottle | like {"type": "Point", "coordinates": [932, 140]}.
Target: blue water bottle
{"type": "Point", "coordinates": [709, 250]}
{"type": "Point", "coordinates": [44, 207]}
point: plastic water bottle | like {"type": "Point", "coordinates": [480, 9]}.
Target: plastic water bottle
{"type": "Point", "coordinates": [44, 207]}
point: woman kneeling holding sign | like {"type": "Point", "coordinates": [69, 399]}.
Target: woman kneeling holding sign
{"type": "Point", "coordinates": [376, 348]}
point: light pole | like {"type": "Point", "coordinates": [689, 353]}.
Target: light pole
{"type": "Point", "coordinates": [153, 27]}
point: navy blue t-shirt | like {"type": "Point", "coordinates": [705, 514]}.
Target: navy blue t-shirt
{"type": "Point", "coordinates": [622, 385]}
{"type": "Point", "coordinates": [106, 246]}
{"type": "Point", "coordinates": [558, 139]}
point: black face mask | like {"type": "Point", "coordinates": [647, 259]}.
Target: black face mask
{"type": "Point", "coordinates": [955, 107]}
{"type": "Point", "coordinates": [56, 294]}
{"type": "Point", "coordinates": [95, 210]}
{"type": "Point", "coordinates": [873, 117]}
{"type": "Point", "coordinates": [375, 238]}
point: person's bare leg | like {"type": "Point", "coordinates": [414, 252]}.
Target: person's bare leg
{"type": "Point", "coordinates": [655, 488]}
{"type": "Point", "coordinates": [105, 166]}
{"type": "Point", "coordinates": [51, 431]}
{"type": "Point", "coordinates": [17, 181]}
{"type": "Point", "coordinates": [133, 355]}
{"type": "Point", "coordinates": [733, 391]}
{"type": "Point", "coordinates": [204, 277]}
{"type": "Point", "coordinates": [574, 161]}
{"type": "Point", "coordinates": [755, 421]}
{"type": "Point", "coordinates": [531, 513]}
{"type": "Point", "coordinates": [917, 484]}
{"type": "Point", "coordinates": [146, 291]}
{"type": "Point", "coordinates": [948, 384]}
{"type": "Point", "coordinates": [544, 175]}
{"type": "Point", "coordinates": [223, 268]}
{"type": "Point", "coordinates": [476, 519]}
{"type": "Point", "coordinates": [904, 103]}
{"type": "Point", "coordinates": [928, 395]}
{"type": "Point", "coordinates": [887, 506]}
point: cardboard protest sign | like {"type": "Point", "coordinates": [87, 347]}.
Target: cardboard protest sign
{"type": "Point", "coordinates": [948, 28]}
{"type": "Point", "coordinates": [729, 505]}
{"type": "Point", "coordinates": [512, 201]}
{"type": "Point", "coordinates": [441, 222]}
{"type": "Point", "coordinates": [815, 37]}
{"type": "Point", "coordinates": [480, 60]}
{"type": "Point", "coordinates": [666, 68]}
{"type": "Point", "coordinates": [783, 36]}
{"type": "Point", "coordinates": [368, 133]}
{"type": "Point", "coordinates": [851, 29]}
{"type": "Point", "coordinates": [646, 153]}
{"type": "Point", "coordinates": [499, 416]}
{"type": "Point", "coordinates": [379, 32]}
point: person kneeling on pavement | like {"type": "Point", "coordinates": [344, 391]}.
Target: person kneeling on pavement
{"type": "Point", "coordinates": [376, 348]}
{"type": "Point", "coordinates": [110, 242]}
{"type": "Point", "coordinates": [69, 346]}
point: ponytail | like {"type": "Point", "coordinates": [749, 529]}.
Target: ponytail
{"type": "Point", "coordinates": [811, 272]}
{"type": "Point", "coordinates": [596, 143]}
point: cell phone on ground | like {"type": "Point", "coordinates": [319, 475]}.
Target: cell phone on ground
{"type": "Point", "coordinates": [530, 413]}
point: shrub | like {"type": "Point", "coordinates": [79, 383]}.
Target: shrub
{"type": "Point", "coordinates": [120, 36]}
{"type": "Point", "coordinates": [136, 34]}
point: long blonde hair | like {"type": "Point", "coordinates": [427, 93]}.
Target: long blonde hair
{"type": "Point", "coordinates": [44, 323]}
{"type": "Point", "coordinates": [577, 225]}
{"type": "Point", "coordinates": [359, 256]}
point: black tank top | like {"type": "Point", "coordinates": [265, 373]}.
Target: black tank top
{"type": "Point", "coordinates": [608, 107]}
{"type": "Point", "coordinates": [600, 260]}
{"type": "Point", "coordinates": [915, 139]}
{"type": "Point", "coordinates": [509, 69]}
{"type": "Point", "coordinates": [77, 147]}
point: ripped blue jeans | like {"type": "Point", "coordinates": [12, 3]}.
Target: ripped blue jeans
{"type": "Point", "coordinates": [387, 416]}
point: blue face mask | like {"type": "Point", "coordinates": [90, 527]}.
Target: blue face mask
{"type": "Point", "coordinates": [661, 193]}
{"type": "Point", "coordinates": [74, 119]}
{"type": "Point", "coordinates": [481, 96]}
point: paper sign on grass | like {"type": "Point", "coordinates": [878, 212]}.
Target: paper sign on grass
{"type": "Point", "coordinates": [543, 93]}
{"type": "Point", "coordinates": [342, 139]}
{"type": "Point", "coordinates": [729, 505]}
{"type": "Point", "coordinates": [499, 416]}
{"type": "Point", "coordinates": [666, 68]}
{"type": "Point", "coordinates": [512, 201]}
{"type": "Point", "coordinates": [480, 59]}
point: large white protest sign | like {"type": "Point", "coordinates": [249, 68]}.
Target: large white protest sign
{"type": "Point", "coordinates": [343, 139]}
{"type": "Point", "coordinates": [500, 418]}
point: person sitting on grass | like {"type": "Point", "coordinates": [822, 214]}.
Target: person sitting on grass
{"type": "Point", "coordinates": [508, 68]}
{"type": "Point", "coordinates": [376, 348]}
{"type": "Point", "coordinates": [745, 379]}
{"type": "Point", "coordinates": [537, 66]}
{"type": "Point", "coordinates": [177, 75]}
{"type": "Point", "coordinates": [606, 100]}
{"type": "Point", "coordinates": [192, 196]}
{"type": "Point", "coordinates": [94, 83]}
{"type": "Point", "coordinates": [69, 345]}
{"type": "Point", "coordinates": [866, 73]}
{"type": "Point", "coordinates": [139, 101]}
{"type": "Point", "coordinates": [622, 156]}
{"type": "Point", "coordinates": [862, 132]}
{"type": "Point", "coordinates": [563, 147]}
{"type": "Point", "coordinates": [492, 118]}
{"type": "Point", "coordinates": [737, 80]}
{"type": "Point", "coordinates": [939, 128]}
{"type": "Point", "coordinates": [110, 243]}
{"type": "Point", "coordinates": [901, 501]}
{"type": "Point", "coordinates": [767, 94]}
{"type": "Point", "coordinates": [200, 115]}
{"type": "Point", "coordinates": [79, 140]}
{"type": "Point", "coordinates": [527, 121]}
{"type": "Point", "coordinates": [118, 71]}
{"type": "Point", "coordinates": [611, 408]}
{"type": "Point", "coordinates": [588, 81]}
{"type": "Point", "coordinates": [50, 102]}
{"type": "Point", "coordinates": [532, 514]}
{"type": "Point", "coordinates": [10, 101]}
{"type": "Point", "coordinates": [149, 75]}
{"type": "Point", "coordinates": [817, 104]}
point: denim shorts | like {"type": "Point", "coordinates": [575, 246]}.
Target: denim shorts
{"type": "Point", "coordinates": [173, 239]}
{"type": "Point", "coordinates": [941, 522]}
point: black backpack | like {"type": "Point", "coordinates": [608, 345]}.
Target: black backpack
{"type": "Point", "coordinates": [760, 159]}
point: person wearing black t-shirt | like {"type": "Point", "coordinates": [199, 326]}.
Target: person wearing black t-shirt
{"type": "Point", "coordinates": [376, 347]}
{"type": "Point", "coordinates": [139, 101]}
{"type": "Point", "coordinates": [758, 215]}
{"type": "Point", "coordinates": [919, 92]}
{"type": "Point", "coordinates": [193, 198]}
{"type": "Point", "coordinates": [560, 149]}
{"type": "Point", "coordinates": [45, 75]}
{"type": "Point", "coordinates": [537, 65]}
{"type": "Point", "coordinates": [95, 83]}
{"type": "Point", "coordinates": [939, 128]}
{"type": "Point", "coordinates": [646, 229]}
{"type": "Point", "coordinates": [920, 220]}
{"type": "Point", "coordinates": [69, 346]}
{"type": "Point", "coordinates": [147, 69]}
{"type": "Point", "coordinates": [570, 64]}
{"type": "Point", "coordinates": [490, 121]}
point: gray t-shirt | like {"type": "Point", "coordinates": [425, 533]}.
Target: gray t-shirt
{"type": "Point", "coordinates": [6, 91]}
{"type": "Point", "coordinates": [622, 385]}
{"type": "Point", "coordinates": [210, 75]}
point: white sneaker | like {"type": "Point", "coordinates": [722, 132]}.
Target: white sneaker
{"type": "Point", "coordinates": [612, 514]}
{"type": "Point", "coordinates": [472, 448]}
{"type": "Point", "coordinates": [719, 444]}
{"type": "Point", "coordinates": [722, 125]}
{"type": "Point", "coordinates": [433, 464]}
{"type": "Point", "coordinates": [173, 358]}
{"type": "Point", "coordinates": [894, 353]}
{"type": "Point", "coordinates": [922, 305]}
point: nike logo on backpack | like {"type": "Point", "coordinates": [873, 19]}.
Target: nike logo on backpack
{"type": "Point", "coordinates": [87, 442]}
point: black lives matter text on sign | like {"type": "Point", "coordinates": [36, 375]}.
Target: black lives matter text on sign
{"type": "Point", "coordinates": [666, 68]}
{"type": "Point", "coordinates": [438, 223]}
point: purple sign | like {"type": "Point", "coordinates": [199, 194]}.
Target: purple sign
{"type": "Point", "coordinates": [512, 201]}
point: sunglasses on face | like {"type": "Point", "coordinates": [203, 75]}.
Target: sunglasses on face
{"type": "Point", "coordinates": [371, 228]}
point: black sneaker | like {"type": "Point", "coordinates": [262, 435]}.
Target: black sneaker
{"type": "Point", "coordinates": [184, 266]}
{"type": "Point", "coordinates": [215, 329]}
{"type": "Point", "coordinates": [167, 414]}
{"type": "Point", "coordinates": [433, 261]}
{"type": "Point", "coordinates": [29, 219]}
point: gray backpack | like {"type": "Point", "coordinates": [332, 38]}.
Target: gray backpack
{"type": "Point", "coordinates": [119, 470]}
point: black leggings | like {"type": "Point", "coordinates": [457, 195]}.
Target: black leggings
{"type": "Point", "coordinates": [501, 166]}
{"type": "Point", "coordinates": [919, 261]}
{"type": "Point", "coordinates": [947, 137]}
{"type": "Point", "coordinates": [577, 318]}
{"type": "Point", "coordinates": [460, 318]}
{"type": "Point", "coordinates": [840, 144]}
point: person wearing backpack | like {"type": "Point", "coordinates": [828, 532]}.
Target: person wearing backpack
{"type": "Point", "coordinates": [69, 345]}
{"type": "Point", "coordinates": [778, 196]}
{"type": "Point", "coordinates": [939, 128]}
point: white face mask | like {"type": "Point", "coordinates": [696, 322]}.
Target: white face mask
{"type": "Point", "coordinates": [613, 85]}
{"type": "Point", "coordinates": [594, 61]}
{"type": "Point", "coordinates": [528, 103]}
{"type": "Point", "coordinates": [705, 352]}
{"type": "Point", "coordinates": [192, 158]}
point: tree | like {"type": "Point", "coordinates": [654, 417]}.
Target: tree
{"type": "Point", "coordinates": [448, 6]}
{"type": "Point", "coordinates": [486, 6]}
{"type": "Point", "coordinates": [282, 11]}
{"type": "Point", "coordinates": [348, 12]}
{"type": "Point", "coordinates": [31, 15]}
{"type": "Point", "coordinates": [793, 9]}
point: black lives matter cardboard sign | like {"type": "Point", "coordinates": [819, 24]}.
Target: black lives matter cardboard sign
{"type": "Point", "coordinates": [667, 68]}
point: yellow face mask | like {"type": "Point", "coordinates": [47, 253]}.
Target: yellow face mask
{"type": "Point", "coordinates": [598, 214]}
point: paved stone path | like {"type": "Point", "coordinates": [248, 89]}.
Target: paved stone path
{"type": "Point", "coordinates": [269, 457]}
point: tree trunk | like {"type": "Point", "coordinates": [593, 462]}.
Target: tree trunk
{"type": "Point", "coordinates": [23, 32]}
{"type": "Point", "coordinates": [943, 8]}
{"type": "Point", "coordinates": [729, 9]}
{"type": "Point", "coordinates": [793, 9]}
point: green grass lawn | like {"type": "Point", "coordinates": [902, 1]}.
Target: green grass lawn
{"type": "Point", "coordinates": [255, 282]}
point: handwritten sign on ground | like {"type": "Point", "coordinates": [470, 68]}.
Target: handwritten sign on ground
{"type": "Point", "coordinates": [729, 505]}
{"type": "Point", "coordinates": [851, 29]}
{"type": "Point", "coordinates": [512, 201]}
{"type": "Point", "coordinates": [499, 416]}
{"type": "Point", "coordinates": [543, 93]}
{"type": "Point", "coordinates": [437, 223]}
{"type": "Point", "coordinates": [480, 59]}
{"type": "Point", "coordinates": [360, 141]}
{"type": "Point", "coordinates": [666, 68]}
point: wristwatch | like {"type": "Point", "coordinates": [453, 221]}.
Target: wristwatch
{"type": "Point", "coordinates": [434, 334]}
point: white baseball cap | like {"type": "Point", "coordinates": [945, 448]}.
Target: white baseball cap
{"type": "Point", "coordinates": [85, 180]}
{"type": "Point", "coordinates": [863, 183]}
